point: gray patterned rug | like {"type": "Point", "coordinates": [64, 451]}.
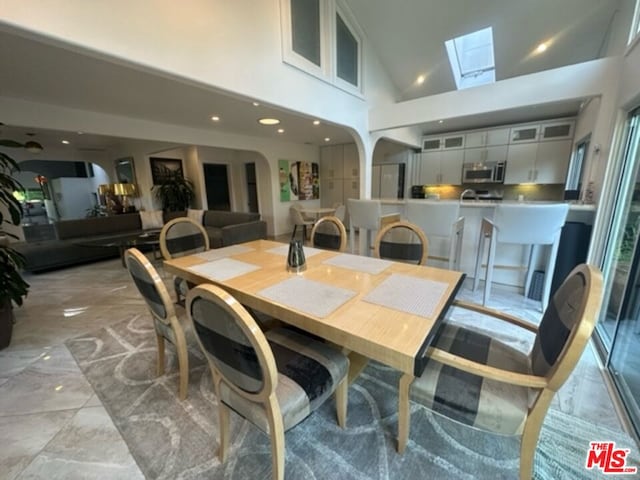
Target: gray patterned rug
{"type": "Point", "coordinates": [177, 440]}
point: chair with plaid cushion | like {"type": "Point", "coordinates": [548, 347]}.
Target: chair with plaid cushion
{"type": "Point", "coordinates": [479, 381]}
{"type": "Point", "coordinates": [178, 238]}
{"type": "Point", "coordinates": [274, 380]}
{"type": "Point", "coordinates": [168, 326]}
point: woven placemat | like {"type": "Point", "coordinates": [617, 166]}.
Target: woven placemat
{"type": "Point", "coordinates": [223, 269]}
{"type": "Point", "coordinates": [224, 252]}
{"type": "Point", "coordinates": [284, 250]}
{"type": "Point", "coordinates": [359, 263]}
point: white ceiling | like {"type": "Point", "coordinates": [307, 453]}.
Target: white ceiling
{"type": "Point", "coordinates": [408, 36]}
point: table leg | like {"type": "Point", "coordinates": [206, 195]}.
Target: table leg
{"type": "Point", "coordinates": [357, 363]}
{"type": "Point", "coordinates": [122, 249]}
{"type": "Point", "coordinates": [403, 410]}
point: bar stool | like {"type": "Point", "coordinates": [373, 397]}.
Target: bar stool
{"type": "Point", "coordinates": [440, 221]}
{"type": "Point", "coordinates": [367, 216]}
{"type": "Point", "coordinates": [532, 225]}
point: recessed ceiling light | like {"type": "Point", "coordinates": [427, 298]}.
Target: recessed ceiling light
{"type": "Point", "coordinates": [281, 130]}
{"type": "Point", "coordinates": [66, 142]}
{"type": "Point", "coordinates": [269, 121]}
{"type": "Point", "coordinates": [440, 121]}
{"type": "Point", "coordinates": [420, 80]}
{"type": "Point", "coordinates": [80, 133]}
{"type": "Point", "coordinates": [541, 48]}
{"type": "Point", "coordinates": [327, 139]}
{"type": "Point", "coordinates": [256, 104]}
{"type": "Point", "coordinates": [316, 122]}
{"type": "Point", "coordinates": [215, 118]}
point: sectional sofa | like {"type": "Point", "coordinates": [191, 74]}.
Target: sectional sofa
{"type": "Point", "coordinates": [70, 245]}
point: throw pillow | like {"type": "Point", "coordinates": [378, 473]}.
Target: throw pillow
{"type": "Point", "coordinates": [151, 219]}
{"type": "Point", "coordinates": [195, 215]}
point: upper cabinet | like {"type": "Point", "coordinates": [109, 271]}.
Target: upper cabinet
{"type": "Point", "coordinates": [552, 131]}
{"type": "Point", "coordinates": [524, 134]}
{"type": "Point", "coordinates": [487, 138]}
{"type": "Point", "coordinates": [447, 142]}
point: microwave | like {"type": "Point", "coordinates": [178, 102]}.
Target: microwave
{"type": "Point", "coordinates": [490, 172]}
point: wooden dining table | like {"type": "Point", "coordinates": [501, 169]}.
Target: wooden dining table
{"type": "Point", "coordinates": [377, 309]}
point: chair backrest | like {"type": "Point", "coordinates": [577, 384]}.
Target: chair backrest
{"type": "Point", "coordinates": [364, 213]}
{"type": "Point", "coordinates": [434, 218]}
{"type": "Point", "coordinates": [567, 325]}
{"type": "Point", "coordinates": [340, 212]}
{"type": "Point", "coordinates": [529, 224]}
{"type": "Point", "coordinates": [182, 236]}
{"type": "Point", "coordinates": [402, 241]}
{"type": "Point", "coordinates": [329, 233]}
{"type": "Point", "coordinates": [150, 285]}
{"type": "Point", "coordinates": [296, 215]}
{"type": "Point", "coordinates": [235, 347]}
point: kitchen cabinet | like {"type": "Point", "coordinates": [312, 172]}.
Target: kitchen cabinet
{"type": "Point", "coordinates": [486, 138]}
{"type": "Point", "coordinates": [544, 162]}
{"type": "Point", "coordinates": [387, 181]}
{"type": "Point", "coordinates": [486, 154]}
{"type": "Point", "coordinates": [339, 174]}
{"type": "Point", "coordinates": [524, 134]}
{"type": "Point", "coordinates": [441, 167]}
{"type": "Point", "coordinates": [551, 131]}
{"type": "Point", "coordinates": [446, 142]}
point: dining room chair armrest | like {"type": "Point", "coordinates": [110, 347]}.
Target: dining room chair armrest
{"type": "Point", "coordinates": [474, 307]}
{"type": "Point", "coordinates": [389, 218]}
{"type": "Point", "coordinates": [486, 371]}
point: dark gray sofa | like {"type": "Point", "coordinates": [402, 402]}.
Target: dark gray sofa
{"type": "Point", "coordinates": [224, 228]}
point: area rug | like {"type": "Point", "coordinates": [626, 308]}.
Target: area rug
{"type": "Point", "coordinates": [178, 440]}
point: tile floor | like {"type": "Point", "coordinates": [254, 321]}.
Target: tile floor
{"type": "Point", "coordinates": [53, 426]}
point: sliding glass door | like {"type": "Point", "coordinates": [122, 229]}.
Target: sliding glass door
{"type": "Point", "coordinates": [619, 327]}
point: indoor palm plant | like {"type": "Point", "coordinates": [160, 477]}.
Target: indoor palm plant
{"type": "Point", "coordinates": [174, 191]}
{"type": "Point", "coordinates": [12, 286]}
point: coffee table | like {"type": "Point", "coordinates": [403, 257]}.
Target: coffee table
{"type": "Point", "coordinates": [149, 238]}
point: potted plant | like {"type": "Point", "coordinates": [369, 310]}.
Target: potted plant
{"type": "Point", "coordinates": [12, 286]}
{"type": "Point", "coordinates": [174, 191]}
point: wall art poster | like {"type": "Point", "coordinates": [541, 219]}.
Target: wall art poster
{"type": "Point", "coordinates": [298, 180]}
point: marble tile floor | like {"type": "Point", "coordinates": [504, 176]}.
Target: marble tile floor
{"type": "Point", "coordinates": [52, 425]}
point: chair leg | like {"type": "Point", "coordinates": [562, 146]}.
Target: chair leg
{"type": "Point", "coordinates": [480, 253]}
{"type": "Point", "coordinates": [548, 277]}
{"type": "Point", "coordinates": [403, 411]}
{"type": "Point", "coordinates": [160, 357]}
{"type": "Point", "coordinates": [341, 401]}
{"type": "Point", "coordinates": [304, 233]}
{"type": "Point", "coordinates": [276, 431]}
{"type": "Point", "coordinates": [529, 277]}
{"type": "Point", "coordinates": [223, 415]}
{"type": "Point", "coordinates": [531, 433]}
{"type": "Point", "coordinates": [183, 359]}
{"type": "Point", "coordinates": [488, 277]}
{"type": "Point", "coordinates": [293, 235]}
{"type": "Point", "coordinates": [352, 239]}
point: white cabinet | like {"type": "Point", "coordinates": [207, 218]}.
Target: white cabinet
{"type": "Point", "coordinates": [524, 134]}
{"type": "Point", "coordinates": [453, 142]}
{"type": "Point", "coordinates": [544, 162]}
{"type": "Point", "coordinates": [446, 142]}
{"type": "Point", "coordinates": [339, 174]}
{"type": "Point", "coordinates": [550, 131]}
{"type": "Point", "coordinates": [441, 167]}
{"type": "Point", "coordinates": [484, 138]}
{"type": "Point", "coordinates": [486, 154]}
{"type": "Point", "coordinates": [351, 162]}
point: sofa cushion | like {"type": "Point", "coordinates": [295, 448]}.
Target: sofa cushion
{"type": "Point", "coordinates": [151, 219]}
{"type": "Point", "coordinates": [87, 227]}
{"type": "Point", "coordinates": [220, 218]}
{"type": "Point", "coordinates": [195, 215]}
{"type": "Point", "coordinates": [215, 237]}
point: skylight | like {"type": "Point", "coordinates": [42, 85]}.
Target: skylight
{"type": "Point", "coordinates": [471, 58]}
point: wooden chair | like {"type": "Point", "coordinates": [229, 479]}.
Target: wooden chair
{"type": "Point", "coordinates": [165, 320]}
{"type": "Point", "coordinates": [180, 237]}
{"type": "Point", "coordinates": [274, 380]}
{"type": "Point", "coordinates": [329, 233]}
{"type": "Point", "coordinates": [483, 383]}
{"type": "Point", "coordinates": [442, 224]}
{"type": "Point", "coordinates": [402, 241]}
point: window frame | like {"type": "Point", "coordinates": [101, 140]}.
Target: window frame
{"type": "Point", "coordinates": [328, 69]}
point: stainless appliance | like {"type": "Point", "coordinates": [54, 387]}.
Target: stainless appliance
{"type": "Point", "coordinates": [417, 191]}
{"type": "Point", "coordinates": [490, 172]}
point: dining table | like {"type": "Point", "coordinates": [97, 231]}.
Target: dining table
{"type": "Point", "coordinates": [317, 212]}
{"type": "Point", "coordinates": [374, 309]}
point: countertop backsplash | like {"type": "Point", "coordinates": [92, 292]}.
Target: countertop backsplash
{"type": "Point", "coordinates": [509, 192]}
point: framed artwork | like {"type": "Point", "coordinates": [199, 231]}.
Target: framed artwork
{"type": "Point", "coordinates": [163, 168]}
{"type": "Point", "coordinates": [298, 180]}
{"type": "Point", "coordinates": [125, 171]}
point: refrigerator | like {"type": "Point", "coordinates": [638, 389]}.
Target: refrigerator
{"type": "Point", "coordinates": [388, 181]}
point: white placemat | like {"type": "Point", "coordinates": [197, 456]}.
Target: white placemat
{"type": "Point", "coordinates": [217, 253]}
{"type": "Point", "coordinates": [408, 294]}
{"type": "Point", "coordinates": [359, 264]}
{"type": "Point", "coordinates": [284, 250]}
{"type": "Point", "coordinates": [223, 269]}
{"type": "Point", "coordinates": [309, 296]}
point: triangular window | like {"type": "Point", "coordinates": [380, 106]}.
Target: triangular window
{"type": "Point", "coordinates": [472, 60]}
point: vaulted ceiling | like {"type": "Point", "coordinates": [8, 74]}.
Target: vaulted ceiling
{"type": "Point", "coordinates": [407, 35]}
